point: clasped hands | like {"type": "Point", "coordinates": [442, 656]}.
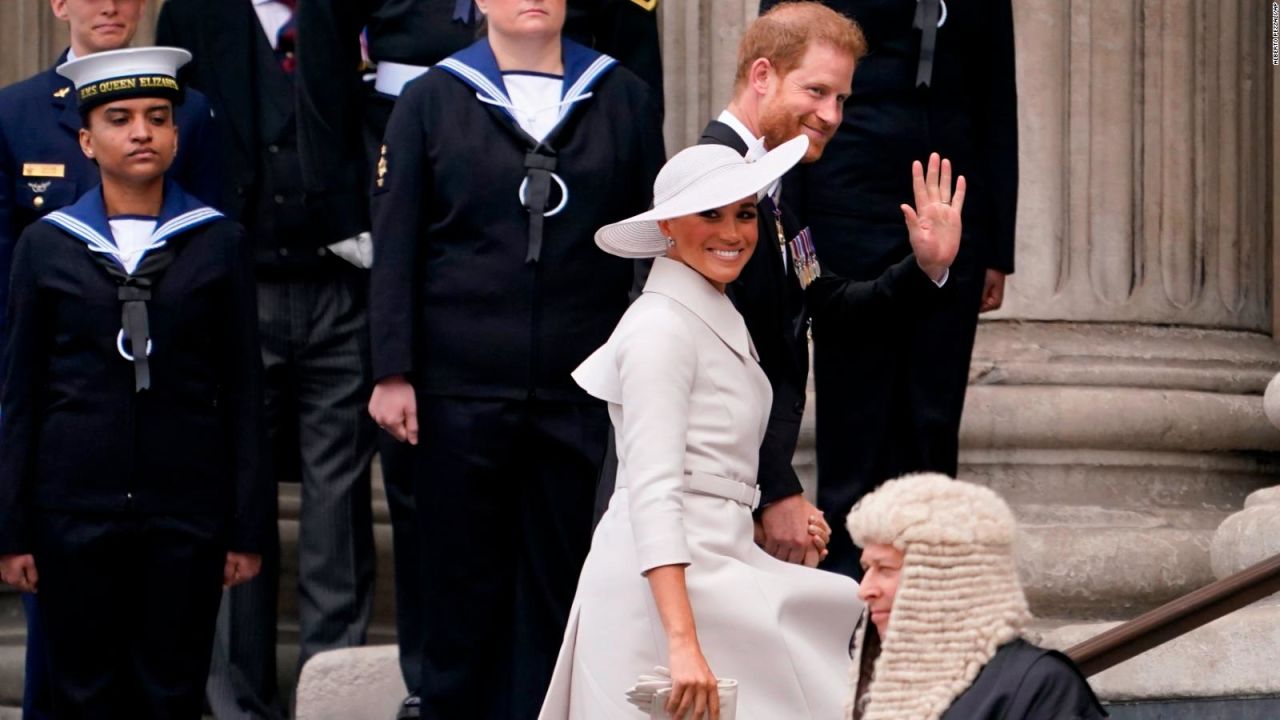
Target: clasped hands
{"type": "Point", "coordinates": [794, 531]}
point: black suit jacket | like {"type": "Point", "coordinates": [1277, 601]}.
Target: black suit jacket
{"type": "Point", "coordinates": [777, 313]}
{"type": "Point", "coordinates": [236, 68]}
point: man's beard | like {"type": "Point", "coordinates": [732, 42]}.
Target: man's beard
{"type": "Point", "coordinates": [780, 126]}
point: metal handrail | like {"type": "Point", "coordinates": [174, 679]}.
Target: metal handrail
{"type": "Point", "coordinates": [1177, 617]}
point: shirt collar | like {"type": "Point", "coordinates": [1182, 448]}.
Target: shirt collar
{"type": "Point", "coordinates": [755, 149]}
{"type": "Point", "coordinates": [755, 145]}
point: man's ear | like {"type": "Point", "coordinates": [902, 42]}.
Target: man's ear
{"type": "Point", "coordinates": [59, 8]}
{"type": "Point", "coordinates": [761, 75]}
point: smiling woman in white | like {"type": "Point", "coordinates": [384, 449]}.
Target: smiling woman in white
{"type": "Point", "coordinates": [674, 577]}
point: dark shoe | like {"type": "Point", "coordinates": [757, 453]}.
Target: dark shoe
{"type": "Point", "coordinates": [410, 709]}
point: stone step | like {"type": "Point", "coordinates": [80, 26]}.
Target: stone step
{"type": "Point", "coordinates": [1233, 657]}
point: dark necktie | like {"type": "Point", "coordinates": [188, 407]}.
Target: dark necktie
{"type": "Point", "coordinates": [287, 39]}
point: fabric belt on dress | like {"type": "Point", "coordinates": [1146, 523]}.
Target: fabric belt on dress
{"type": "Point", "coordinates": [391, 77]}
{"type": "Point", "coordinates": [700, 483]}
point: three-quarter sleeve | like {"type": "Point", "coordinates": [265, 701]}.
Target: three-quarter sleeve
{"type": "Point", "coordinates": [657, 363]}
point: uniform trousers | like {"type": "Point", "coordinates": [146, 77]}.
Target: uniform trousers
{"type": "Point", "coordinates": [128, 603]}
{"type": "Point", "coordinates": [504, 492]}
{"type": "Point", "coordinates": [37, 697]}
{"type": "Point", "coordinates": [315, 352]}
{"type": "Point", "coordinates": [889, 388]}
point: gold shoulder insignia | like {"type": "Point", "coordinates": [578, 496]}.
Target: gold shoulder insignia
{"type": "Point", "coordinates": [63, 92]}
{"type": "Point", "coordinates": [382, 167]}
{"type": "Point", "coordinates": [646, 4]}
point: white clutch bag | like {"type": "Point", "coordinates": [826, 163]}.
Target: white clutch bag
{"type": "Point", "coordinates": [652, 692]}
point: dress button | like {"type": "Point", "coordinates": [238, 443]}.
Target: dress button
{"type": "Point", "coordinates": [128, 496]}
{"type": "Point", "coordinates": [279, 199]}
{"type": "Point", "coordinates": [798, 407]}
{"type": "Point", "coordinates": [273, 149]}
{"type": "Point", "coordinates": [321, 252]}
{"type": "Point", "coordinates": [38, 201]}
{"type": "Point", "coordinates": [284, 252]}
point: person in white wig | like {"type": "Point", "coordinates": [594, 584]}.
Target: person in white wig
{"type": "Point", "coordinates": [674, 578]}
{"type": "Point", "coordinates": [947, 612]}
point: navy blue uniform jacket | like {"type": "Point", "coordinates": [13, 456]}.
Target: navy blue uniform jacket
{"type": "Point", "coordinates": [77, 437]}
{"type": "Point", "coordinates": [453, 301]}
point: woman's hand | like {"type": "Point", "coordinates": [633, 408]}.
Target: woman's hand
{"type": "Point", "coordinates": [394, 406]}
{"type": "Point", "coordinates": [693, 686]}
{"type": "Point", "coordinates": [934, 224]}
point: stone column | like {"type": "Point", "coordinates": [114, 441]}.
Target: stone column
{"type": "Point", "coordinates": [1116, 399]}
{"type": "Point", "coordinates": [699, 56]}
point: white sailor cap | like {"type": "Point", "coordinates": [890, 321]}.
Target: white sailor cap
{"type": "Point", "coordinates": [119, 74]}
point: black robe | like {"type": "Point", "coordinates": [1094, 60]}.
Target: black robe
{"type": "Point", "coordinates": [1025, 682]}
{"type": "Point", "coordinates": [1020, 682]}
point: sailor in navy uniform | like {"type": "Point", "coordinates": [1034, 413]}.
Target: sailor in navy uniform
{"type": "Point", "coordinates": [341, 123]}
{"type": "Point", "coordinates": [42, 170]}
{"type": "Point", "coordinates": [487, 291]}
{"type": "Point", "coordinates": [131, 448]}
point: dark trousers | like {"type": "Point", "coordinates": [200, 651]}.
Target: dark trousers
{"type": "Point", "coordinates": [505, 491]}
{"type": "Point", "coordinates": [397, 477]}
{"type": "Point", "coordinates": [315, 353]}
{"type": "Point", "coordinates": [889, 390]}
{"type": "Point", "coordinates": [37, 694]}
{"type": "Point", "coordinates": [128, 604]}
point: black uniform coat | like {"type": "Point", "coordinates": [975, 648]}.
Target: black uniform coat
{"type": "Point", "coordinates": [42, 168]}
{"type": "Point", "coordinates": [776, 311]}
{"type": "Point", "coordinates": [417, 32]}
{"type": "Point", "coordinates": [76, 436]}
{"type": "Point", "coordinates": [454, 302]}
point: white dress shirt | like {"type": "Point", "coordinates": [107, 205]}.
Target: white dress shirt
{"type": "Point", "coordinates": [272, 16]}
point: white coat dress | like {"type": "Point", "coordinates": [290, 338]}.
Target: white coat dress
{"type": "Point", "coordinates": [689, 404]}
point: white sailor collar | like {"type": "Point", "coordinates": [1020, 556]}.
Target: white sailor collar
{"type": "Point", "coordinates": [476, 66]}
{"type": "Point", "coordinates": [681, 283]}
{"type": "Point", "coordinates": [86, 220]}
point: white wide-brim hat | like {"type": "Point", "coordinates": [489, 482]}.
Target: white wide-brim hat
{"type": "Point", "coordinates": [702, 177]}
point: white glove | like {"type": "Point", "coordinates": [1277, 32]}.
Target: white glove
{"type": "Point", "coordinates": [356, 250]}
{"type": "Point", "coordinates": [647, 687]}
{"type": "Point", "coordinates": [651, 693]}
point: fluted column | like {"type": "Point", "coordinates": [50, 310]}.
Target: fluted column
{"type": "Point", "coordinates": [1116, 398]}
{"type": "Point", "coordinates": [699, 56]}
{"type": "Point", "coordinates": [1144, 170]}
